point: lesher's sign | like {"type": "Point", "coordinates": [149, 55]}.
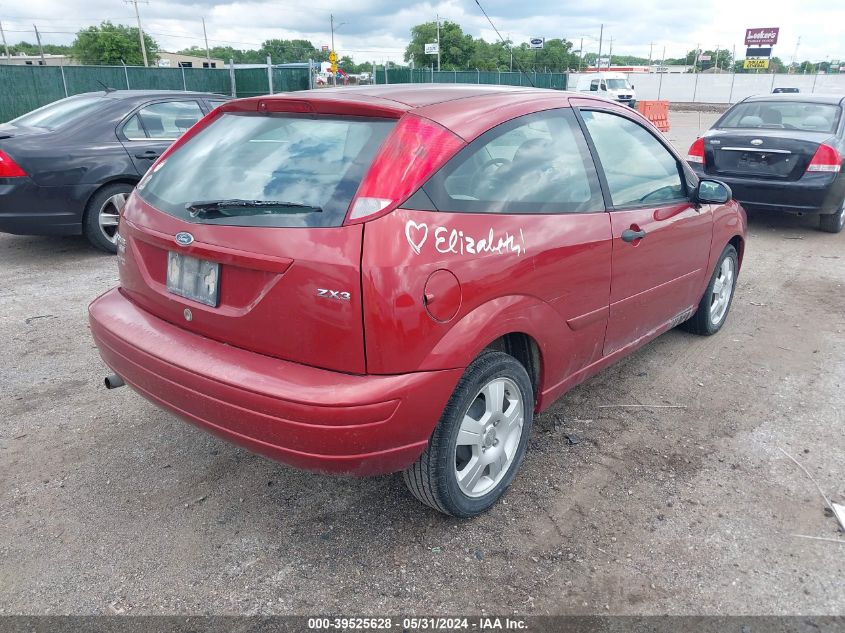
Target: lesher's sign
{"type": "Point", "coordinates": [757, 37]}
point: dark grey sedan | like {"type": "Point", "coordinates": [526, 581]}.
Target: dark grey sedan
{"type": "Point", "coordinates": [68, 167]}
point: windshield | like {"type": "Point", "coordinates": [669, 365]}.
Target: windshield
{"type": "Point", "coordinates": [59, 113]}
{"type": "Point", "coordinates": [617, 84]}
{"type": "Point", "coordinates": [311, 167]}
{"type": "Point", "coordinates": [786, 115]}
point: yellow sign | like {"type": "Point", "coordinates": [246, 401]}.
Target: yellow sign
{"type": "Point", "coordinates": [332, 57]}
{"type": "Point", "coordinates": [756, 63]}
{"type": "Point", "coordinates": [334, 69]}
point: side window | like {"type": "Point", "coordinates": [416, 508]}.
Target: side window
{"type": "Point", "coordinates": [170, 119]}
{"type": "Point", "coordinates": [213, 103]}
{"type": "Point", "coordinates": [594, 85]}
{"type": "Point", "coordinates": [638, 168]}
{"type": "Point", "coordinates": [133, 131]}
{"type": "Point", "coordinates": [537, 163]}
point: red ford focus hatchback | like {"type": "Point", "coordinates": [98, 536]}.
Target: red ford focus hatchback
{"type": "Point", "coordinates": [398, 278]}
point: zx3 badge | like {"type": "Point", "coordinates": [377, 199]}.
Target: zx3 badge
{"type": "Point", "coordinates": [333, 294]}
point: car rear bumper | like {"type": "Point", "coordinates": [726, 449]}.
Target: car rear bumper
{"type": "Point", "coordinates": [812, 194]}
{"type": "Point", "coordinates": [305, 417]}
{"type": "Point", "coordinates": [27, 208]}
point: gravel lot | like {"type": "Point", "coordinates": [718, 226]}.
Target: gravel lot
{"type": "Point", "coordinates": [109, 505]}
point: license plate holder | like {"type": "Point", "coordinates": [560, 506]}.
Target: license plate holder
{"type": "Point", "coordinates": [194, 279]}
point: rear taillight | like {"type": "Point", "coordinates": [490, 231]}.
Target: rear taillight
{"type": "Point", "coordinates": [9, 168]}
{"type": "Point", "coordinates": [414, 150]}
{"type": "Point", "coordinates": [826, 159]}
{"type": "Point", "coordinates": [696, 152]}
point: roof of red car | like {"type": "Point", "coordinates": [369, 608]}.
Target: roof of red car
{"type": "Point", "coordinates": [419, 95]}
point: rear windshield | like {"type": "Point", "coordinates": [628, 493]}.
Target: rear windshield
{"type": "Point", "coordinates": [311, 164]}
{"type": "Point", "coordinates": [783, 115]}
{"type": "Point", "coordinates": [54, 115]}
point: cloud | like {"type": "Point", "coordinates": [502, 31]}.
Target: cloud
{"type": "Point", "coordinates": [379, 29]}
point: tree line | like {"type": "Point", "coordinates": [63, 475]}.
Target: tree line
{"type": "Point", "coordinates": [115, 44]}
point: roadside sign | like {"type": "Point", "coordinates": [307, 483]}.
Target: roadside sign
{"type": "Point", "coordinates": [756, 63]}
{"type": "Point", "coordinates": [432, 48]}
{"type": "Point", "coordinates": [536, 42]}
{"type": "Point", "coordinates": [757, 37]}
{"type": "Point", "coordinates": [758, 51]}
{"type": "Point", "coordinates": [333, 57]}
{"type": "Point", "coordinates": [325, 49]}
{"type": "Point", "coordinates": [704, 58]}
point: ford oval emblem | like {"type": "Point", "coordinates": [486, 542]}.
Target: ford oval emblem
{"type": "Point", "coordinates": [184, 238]}
{"type": "Point", "coordinates": [757, 141]}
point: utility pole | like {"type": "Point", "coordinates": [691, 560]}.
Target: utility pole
{"type": "Point", "coordinates": [794, 55]}
{"type": "Point", "coordinates": [717, 58]}
{"type": "Point", "coordinates": [140, 29]}
{"type": "Point", "coordinates": [695, 58]}
{"type": "Point", "coordinates": [40, 48]}
{"type": "Point", "coordinates": [650, 50]}
{"type": "Point", "coordinates": [6, 46]}
{"type": "Point", "coordinates": [580, 54]}
{"type": "Point", "coordinates": [437, 16]}
{"type": "Point", "coordinates": [610, 55]}
{"type": "Point", "coordinates": [601, 36]}
{"type": "Point", "coordinates": [205, 37]}
{"type": "Point", "coordinates": [510, 48]}
{"type": "Point", "coordinates": [334, 74]}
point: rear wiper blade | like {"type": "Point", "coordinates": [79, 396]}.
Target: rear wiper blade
{"type": "Point", "coordinates": [214, 208]}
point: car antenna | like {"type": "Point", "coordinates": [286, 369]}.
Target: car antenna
{"type": "Point", "coordinates": [510, 49]}
{"type": "Point", "coordinates": [105, 87]}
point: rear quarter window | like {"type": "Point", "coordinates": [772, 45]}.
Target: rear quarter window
{"type": "Point", "coordinates": [537, 163]}
{"type": "Point", "coordinates": [307, 161]}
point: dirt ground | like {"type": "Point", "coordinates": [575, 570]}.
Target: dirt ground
{"type": "Point", "coordinates": [110, 505]}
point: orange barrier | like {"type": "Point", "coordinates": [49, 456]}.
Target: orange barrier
{"type": "Point", "coordinates": [657, 112]}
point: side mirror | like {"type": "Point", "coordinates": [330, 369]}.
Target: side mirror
{"type": "Point", "coordinates": [712, 192]}
{"type": "Point", "coordinates": [603, 86]}
{"type": "Point", "coordinates": [632, 86]}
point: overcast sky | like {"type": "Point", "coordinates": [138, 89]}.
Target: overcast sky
{"type": "Point", "coordinates": [379, 29]}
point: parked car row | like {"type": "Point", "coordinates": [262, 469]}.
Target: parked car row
{"type": "Point", "coordinates": [368, 280]}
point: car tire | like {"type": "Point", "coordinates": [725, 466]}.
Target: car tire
{"type": "Point", "coordinates": [833, 222]}
{"type": "Point", "coordinates": [714, 306]}
{"type": "Point", "coordinates": [101, 215]}
{"type": "Point", "coordinates": [470, 460]}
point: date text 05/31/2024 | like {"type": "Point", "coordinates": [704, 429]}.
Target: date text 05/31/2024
{"type": "Point", "coordinates": [417, 624]}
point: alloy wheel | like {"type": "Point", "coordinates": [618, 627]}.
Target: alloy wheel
{"type": "Point", "coordinates": [109, 215]}
{"type": "Point", "coordinates": [488, 437]}
{"type": "Point", "coordinates": [722, 290]}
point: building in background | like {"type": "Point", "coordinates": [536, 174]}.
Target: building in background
{"type": "Point", "coordinates": [35, 60]}
{"type": "Point", "coordinates": [175, 60]}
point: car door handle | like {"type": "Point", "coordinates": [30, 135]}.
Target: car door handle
{"type": "Point", "coordinates": [149, 154]}
{"type": "Point", "coordinates": [629, 235]}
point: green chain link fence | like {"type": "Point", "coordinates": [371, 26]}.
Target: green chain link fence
{"type": "Point", "coordinates": [24, 88]}
{"type": "Point", "coordinates": [556, 81]}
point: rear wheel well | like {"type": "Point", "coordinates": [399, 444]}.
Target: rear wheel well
{"type": "Point", "coordinates": [524, 349]}
{"type": "Point", "coordinates": [739, 244]}
{"type": "Point", "coordinates": [128, 180]}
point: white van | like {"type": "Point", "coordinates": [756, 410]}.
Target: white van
{"type": "Point", "coordinates": [611, 85]}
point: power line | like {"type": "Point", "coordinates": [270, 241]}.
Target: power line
{"type": "Point", "coordinates": [518, 65]}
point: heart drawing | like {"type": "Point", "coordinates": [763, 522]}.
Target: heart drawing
{"type": "Point", "coordinates": [416, 234]}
